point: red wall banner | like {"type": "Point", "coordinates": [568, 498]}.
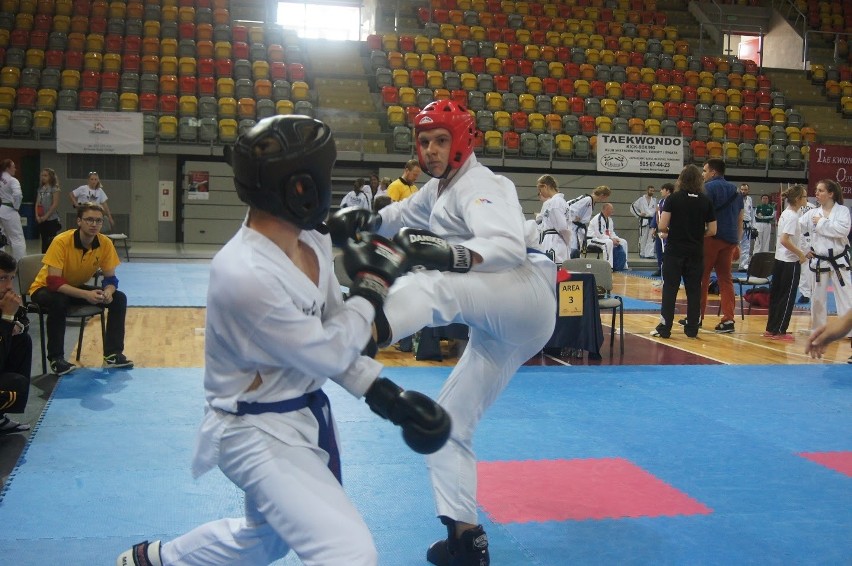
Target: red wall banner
{"type": "Point", "coordinates": [830, 162]}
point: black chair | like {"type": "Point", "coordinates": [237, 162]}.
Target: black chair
{"type": "Point", "coordinates": [759, 272]}
{"type": "Point", "coordinates": [28, 268]}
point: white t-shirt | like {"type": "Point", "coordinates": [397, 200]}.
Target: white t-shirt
{"type": "Point", "coordinates": [84, 193]}
{"type": "Point", "coordinates": [787, 224]}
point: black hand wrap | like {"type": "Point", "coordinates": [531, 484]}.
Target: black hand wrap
{"type": "Point", "coordinates": [346, 223]}
{"type": "Point", "coordinates": [425, 249]}
{"type": "Point", "coordinates": [425, 424]}
{"type": "Point", "coordinates": [373, 264]}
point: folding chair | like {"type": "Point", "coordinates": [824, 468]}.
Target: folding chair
{"type": "Point", "coordinates": [606, 300]}
{"type": "Point", "coordinates": [28, 268]}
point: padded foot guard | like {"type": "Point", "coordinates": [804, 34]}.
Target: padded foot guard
{"type": "Point", "coordinates": [142, 554]}
{"type": "Point", "coordinates": [471, 549]}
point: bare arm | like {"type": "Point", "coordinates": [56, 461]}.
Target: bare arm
{"type": "Point", "coordinates": [787, 242]}
{"type": "Point", "coordinates": [834, 329]}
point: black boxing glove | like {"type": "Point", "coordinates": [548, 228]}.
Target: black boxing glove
{"type": "Point", "coordinates": [373, 264]}
{"type": "Point", "coordinates": [425, 424]}
{"type": "Point", "coordinates": [425, 249]}
{"type": "Point", "coordinates": [346, 223]}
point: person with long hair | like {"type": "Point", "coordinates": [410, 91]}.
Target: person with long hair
{"type": "Point", "coordinates": [92, 191]}
{"type": "Point", "coordinates": [829, 262]}
{"type": "Point", "coordinates": [10, 201]}
{"type": "Point", "coordinates": [47, 208]}
{"type": "Point", "coordinates": [688, 218]}
{"type": "Point", "coordinates": [787, 267]}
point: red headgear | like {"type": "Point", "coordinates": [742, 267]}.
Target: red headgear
{"type": "Point", "coordinates": [457, 120]}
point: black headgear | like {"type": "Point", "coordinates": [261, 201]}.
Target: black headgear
{"type": "Point", "coordinates": [283, 166]}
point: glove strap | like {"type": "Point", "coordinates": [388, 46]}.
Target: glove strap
{"type": "Point", "coordinates": [462, 259]}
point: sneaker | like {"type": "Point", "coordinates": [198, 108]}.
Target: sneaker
{"type": "Point", "coordinates": [60, 366]}
{"type": "Point", "coordinates": [657, 283]}
{"type": "Point", "coordinates": [682, 322]}
{"type": "Point", "coordinates": [661, 332]}
{"type": "Point", "coordinates": [725, 327]}
{"type": "Point", "coordinates": [471, 549]}
{"type": "Point", "coordinates": [142, 554]}
{"type": "Point", "coordinates": [117, 361]}
{"type": "Point", "coordinates": [8, 426]}
{"type": "Point", "coordinates": [784, 337]}
{"type": "Point", "coordinates": [803, 300]}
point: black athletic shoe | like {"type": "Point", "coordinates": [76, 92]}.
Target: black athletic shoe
{"type": "Point", "coordinates": [803, 300]}
{"type": "Point", "coordinates": [60, 366]}
{"type": "Point", "coordinates": [117, 361]}
{"type": "Point", "coordinates": [682, 322]}
{"type": "Point", "coordinates": [471, 549]}
{"type": "Point", "coordinates": [661, 331]}
{"type": "Point", "coordinates": [725, 327]}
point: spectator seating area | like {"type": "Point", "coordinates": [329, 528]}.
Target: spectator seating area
{"type": "Point", "coordinates": [196, 75]}
{"type": "Point", "coordinates": [544, 79]}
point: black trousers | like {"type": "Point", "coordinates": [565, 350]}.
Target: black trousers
{"type": "Point", "coordinates": [782, 295]}
{"type": "Point", "coordinates": [15, 375]}
{"type": "Point", "coordinates": [690, 269]}
{"type": "Point", "coordinates": [48, 230]}
{"type": "Point", "coordinates": [57, 306]}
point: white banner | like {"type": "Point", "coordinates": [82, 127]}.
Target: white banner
{"type": "Point", "coordinates": [635, 153]}
{"type": "Point", "coordinates": [113, 133]}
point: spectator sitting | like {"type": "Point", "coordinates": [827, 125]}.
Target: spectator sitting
{"type": "Point", "coordinates": [72, 259]}
{"type": "Point", "coordinates": [602, 233]}
{"type": "Point", "coordinates": [16, 350]}
{"type": "Point", "coordinates": [358, 196]}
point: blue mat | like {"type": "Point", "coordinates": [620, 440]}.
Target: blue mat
{"type": "Point", "coordinates": [176, 284]}
{"type": "Point", "coordinates": [109, 465]}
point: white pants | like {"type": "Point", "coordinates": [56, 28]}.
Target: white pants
{"type": "Point", "coordinates": [646, 242]}
{"type": "Point", "coordinates": [607, 244]}
{"type": "Point", "coordinates": [511, 316]}
{"type": "Point", "coordinates": [745, 247]}
{"type": "Point", "coordinates": [764, 235]}
{"type": "Point", "coordinates": [819, 298]}
{"type": "Point", "coordinates": [290, 495]}
{"type": "Point", "coordinates": [806, 281]}
{"type": "Point", "coordinates": [10, 221]}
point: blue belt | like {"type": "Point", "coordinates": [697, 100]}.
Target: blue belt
{"type": "Point", "coordinates": [315, 401]}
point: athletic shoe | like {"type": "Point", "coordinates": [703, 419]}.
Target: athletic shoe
{"type": "Point", "coordinates": [661, 332]}
{"type": "Point", "coordinates": [803, 300]}
{"type": "Point", "coordinates": [471, 549]}
{"type": "Point", "coordinates": [142, 554]}
{"type": "Point", "coordinates": [725, 327]}
{"type": "Point", "coordinates": [8, 426]}
{"type": "Point", "coordinates": [784, 337]}
{"type": "Point", "coordinates": [59, 366]}
{"type": "Point", "coordinates": [657, 283]}
{"type": "Point", "coordinates": [682, 322]}
{"type": "Point", "coordinates": [117, 361]}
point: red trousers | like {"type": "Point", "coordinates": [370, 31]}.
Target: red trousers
{"type": "Point", "coordinates": [719, 255]}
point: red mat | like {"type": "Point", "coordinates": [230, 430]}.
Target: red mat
{"type": "Point", "coordinates": [837, 461]}
{"type": "Point", "coordinates": [559, 490]}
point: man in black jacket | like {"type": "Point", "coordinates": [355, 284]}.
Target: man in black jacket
{"type": "Point", "coordinates": [16, 349]}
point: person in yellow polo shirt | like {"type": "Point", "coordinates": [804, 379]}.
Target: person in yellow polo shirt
{"type": "Point", "coordinates": [404, 187]}
{"type": "Point", "coordinates": [71, 260]}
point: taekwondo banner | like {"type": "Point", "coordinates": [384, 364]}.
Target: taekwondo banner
{"type": "Point", "coordinates": [635, 153]}
{"type": "Point", "coordinates": [113, 133]}
{"type": "Point", "coordinates": [830, 162]}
